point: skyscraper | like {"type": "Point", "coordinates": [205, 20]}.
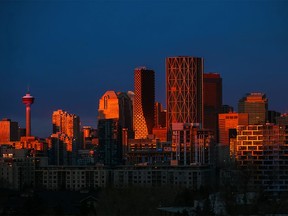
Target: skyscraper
{"type": "Point", "coordinates": [68, 125]}
{"type": "Point", "coordinates": [125, 112]}
{"type": "Point", "coordinates": [160, 116]}
{"type": "Point", "coordinates": [8, 131]}
{"type": "Point", "coordinates": [144, 83]}
{"type": "Point", "coordinates": [184, 92]}
{"type": "Point", "coordinates": [110, 142]}
{"type": "Point", "coordinates": [108, 106]}
{"type": "Point", "coordinates": [256, 105]}
{"type": "Point", "coordinates": [212, 100]}
{"type": "Point", "coordinates": [117, 106]}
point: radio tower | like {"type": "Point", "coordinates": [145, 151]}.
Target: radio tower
{"type": "Point", "coordinates": [28, 100]}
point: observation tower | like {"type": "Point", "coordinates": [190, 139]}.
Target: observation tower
{"type": "Point", "coordinates": [28, 100]}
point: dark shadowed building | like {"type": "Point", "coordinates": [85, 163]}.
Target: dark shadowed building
{"type": "Point", "coordinates": [212, 100]}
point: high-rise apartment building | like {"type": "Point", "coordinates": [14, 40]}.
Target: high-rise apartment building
{"type": "Point", "coordinates": [256, 105]}
{"type": "Point", "coordinates": [212, 100]}
{"type": "Point", "coordinates": [191, 145]}
{"type": "Point", "coordinates": [144, 83]}
{"type": "Point", "coordinates": [69, 125]}
{"type": "Point", "coordinates": [110, 142]}
{"type": "Point", "coordinates": [8, 131]}
{"type": "Point", "coordinates": [261, 152]}
{"type": "Point", "coordinates": [230, 121]}
{"type": "Point", "coordinates": [184, 91]}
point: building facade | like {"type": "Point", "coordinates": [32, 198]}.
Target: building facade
{"type": "Point", "coordinates": [160, 116]}
{"type": "Point", "coordinates": [109, 106]}
{"type": "Point", "coordinates": [184, 91]}
{"type": "Point", "coordinates": [260, 151]}
{"type": "Point", "coordinates": [230, 121]}
{"type": "Point", "coordinates": [212, 100]}
{"type": "Point", "coordinates": [191, 145]}
{"type": "Point", "coordinates": [67, 128]}
{"type": "Point", "coordinates": [282, 119]}
{"type": "Point", "coordinates": [110, 142]}
{"type": "Point", "coordinates": [144, 84]}
{"type": "Point", "coordinates": [8, 131]}
{"type": "Point", "coordinates": [118, 106]}
{"type": "Point", "coordinates": [68, 125]}
{"type": "Point", "coordinates": [77, 178]}
{"type": "Point", "coordinates": [256, 105]}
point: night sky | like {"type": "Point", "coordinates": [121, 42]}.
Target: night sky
{"type": "Point", "coordinates": [71, 52]}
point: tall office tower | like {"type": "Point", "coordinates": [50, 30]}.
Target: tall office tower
{"type": "Point", "coordinates": [144, 84]}
{"type": "Point", "coordinates": [212, 100]}
{"type": "Point", "coordinates": [109, 106]}
{"type": "Point", "coordinates": [8, 131]}
{"type": "Point", "coordinates": [184, 92]}
{"type": "Point", "coordinates": [230, 121]}
{"type": "Point", "coordinates": [256, 105]}
{"type": "Point", "coordinates": [126, 113]}
{"type": "Point", "coordinates": [28, 100]}
{"type": "Point", "coordinates": [117, 106]}
{"type": "Point", "coordinates": [69, 125]}
{"type": "Point", "coordinates": [160, 116]}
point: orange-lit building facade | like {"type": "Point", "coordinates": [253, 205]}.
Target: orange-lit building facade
{"type": "Point", "coordinates": [212, 100]}
{"type": "Point", "coordinates": [184, 91]}
{"type": "Point", "coordinates": [109, 106]}
{"type": "Point", "coordinates": [144, 84]}
{"type": "Point", "coordinates": [117, 106]}
{"type": "Point", "coordinates": [40, 145]}
{"type": "Point", "coordinates": [68, 125]}
{"type": "Point", "coordinates": [256, 105]}
{"type": "Point", "coordinates": [261, 152]}
{"type": "Point", "coordinates": [160, 133]}
{"type": "Point", "coordinates": [8, 131]}
{"type": "Point", "coordinates": [230, 121]}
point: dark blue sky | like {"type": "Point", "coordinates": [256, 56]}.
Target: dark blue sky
{"type": "Point", "coordinates": [71, 52]}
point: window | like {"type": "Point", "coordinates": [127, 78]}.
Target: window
{"type": "Point", "coordinates": [105, 102]}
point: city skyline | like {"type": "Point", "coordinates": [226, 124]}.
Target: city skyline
{"type": "Point", "coordinates": [70, 61]}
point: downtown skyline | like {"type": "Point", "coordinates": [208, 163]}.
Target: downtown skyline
{"type": "Point", "coordinates": [69, 63]}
